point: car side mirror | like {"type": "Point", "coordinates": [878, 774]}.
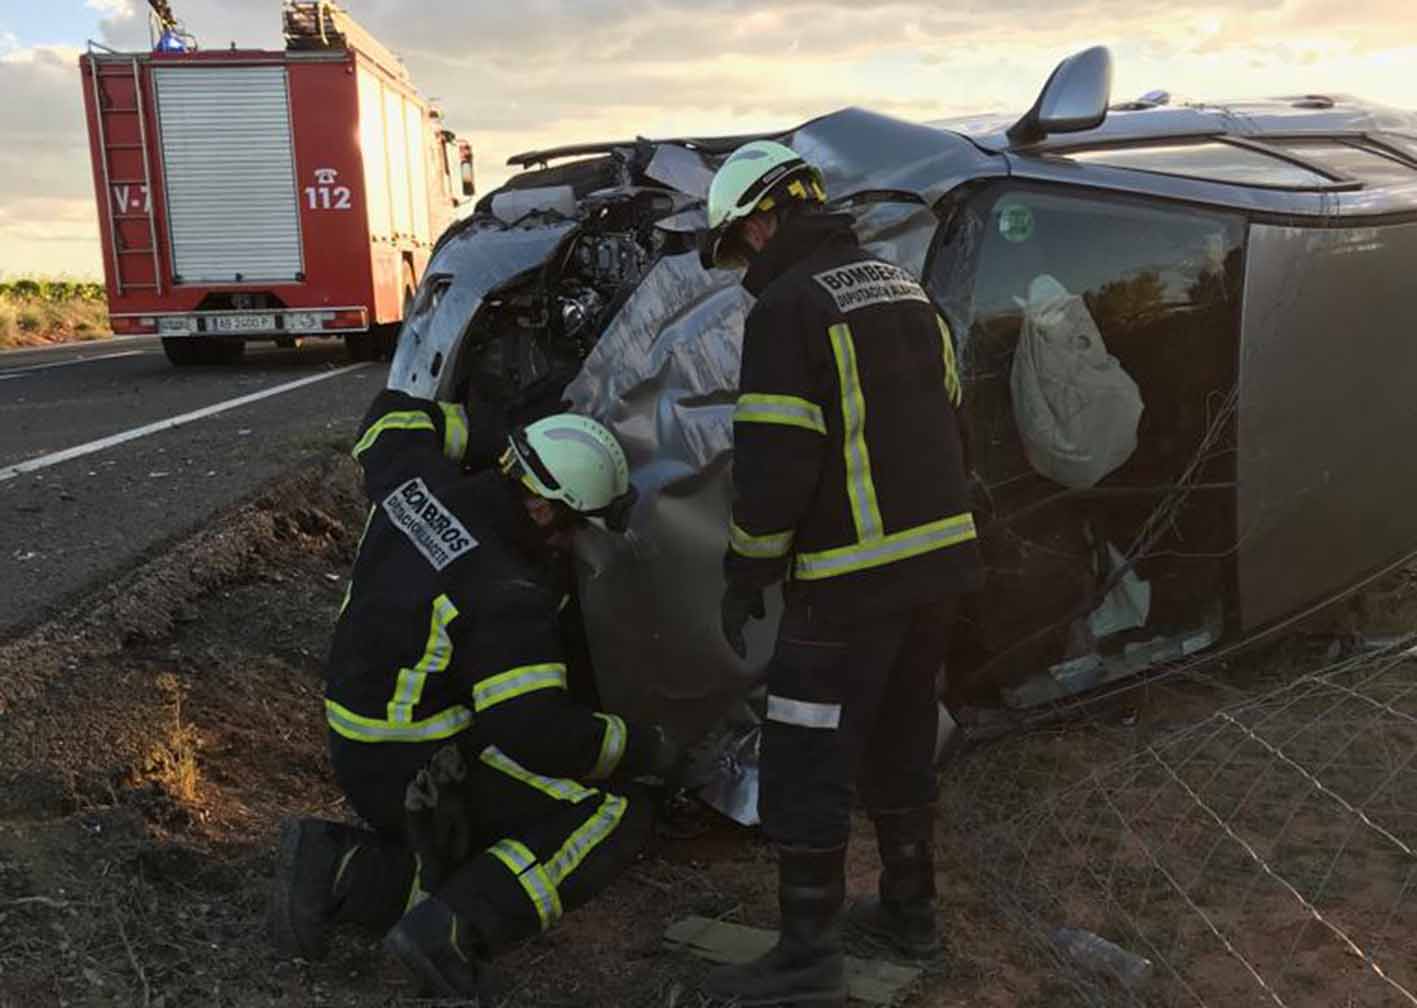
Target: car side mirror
{"type": "Point", "coordinates": [1074, 99]}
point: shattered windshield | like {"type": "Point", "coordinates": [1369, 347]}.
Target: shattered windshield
{"type": "Point", "coordinates": [1098, 338]}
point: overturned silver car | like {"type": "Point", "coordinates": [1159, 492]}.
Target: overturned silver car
{"type": "Point", "coordinates": [1185, 332]}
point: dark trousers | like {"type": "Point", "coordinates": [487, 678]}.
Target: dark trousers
{"type": "Point", "coordinates": [539, 846]}
{"type": "Point", "coordinates": [850, 702]}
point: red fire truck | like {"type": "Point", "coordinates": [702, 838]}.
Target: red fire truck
{"type": "Point", "coordinates": [267, 195]}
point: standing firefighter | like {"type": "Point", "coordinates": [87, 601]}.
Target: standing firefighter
{"type": "Point", "coordinates": [452, 731]}
{"type": "Point", "coordinates": [850, 483]}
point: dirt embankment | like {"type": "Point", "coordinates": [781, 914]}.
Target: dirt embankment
{"type": "Point", "coordinates": [152, 739]}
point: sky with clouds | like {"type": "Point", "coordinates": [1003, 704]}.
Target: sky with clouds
{"type": "Point", "coordinates": [516, 76]}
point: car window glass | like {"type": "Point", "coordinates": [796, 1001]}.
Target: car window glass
{"type": "Point", "coordinates": [1147, 303]}
{"type": "Point", "coordinates": [1219, 162]}
{"type": "Point", "coordinates": [1346, 159]}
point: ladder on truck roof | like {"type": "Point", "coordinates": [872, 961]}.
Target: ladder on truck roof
{"type": "Point", "coordinates": [126, 171]}
{"type": "Point", "coordinates": [322, 24]}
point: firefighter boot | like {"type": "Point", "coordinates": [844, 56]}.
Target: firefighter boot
{"type": "Point", "coordinates": [806, 966]}
{"type": "Point", "coordinates": [447, 952]}
{"type": "Point", "coordinates": [903, 915]}
{"type": "Point", "coordinates": [329, 873]}
{"type": "Point", "coordinates": [303, 901]}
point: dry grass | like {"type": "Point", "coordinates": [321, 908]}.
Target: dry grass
{"type": "Point", "coordinates": [38, 311]}
{"type": "Point", "coordinates": [172, 762]}
{"type": "Point", "coordinates": [1262, 854]}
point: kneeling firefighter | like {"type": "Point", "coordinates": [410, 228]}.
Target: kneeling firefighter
{"type": "Point", "coordinates": [451, 728]}
{"type": "Point", "coordinates": [849, 480]}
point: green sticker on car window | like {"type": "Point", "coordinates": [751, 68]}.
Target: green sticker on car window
{"type": "Point", "coordinates": [1015, 222]}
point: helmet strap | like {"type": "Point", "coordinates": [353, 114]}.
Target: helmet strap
{"type": "Point", "coordinates": [762, 215]}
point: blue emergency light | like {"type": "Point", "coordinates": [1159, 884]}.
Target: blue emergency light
{"type": "Point", "coordinates": [170, 41]}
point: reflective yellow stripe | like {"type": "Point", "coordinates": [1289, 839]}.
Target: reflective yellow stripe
{"type": "Point", "coordinates": [535, 881]}
{"type": "Point", "coordinates": [865, 512]}
{"type": "Point", "coordinates": [803, 713]}
{"type": "Point", "coordinates": [437, 653]}
{"type": "Point", "coordinates": [612, 747]}
{"type": "Point", "coordinates": [416, 893]}
{"type": "Point", "coordinates": [584, 840]}
{"type": "Point", "coordinates": [364, 729]}
{"type": "Point", "coordinates": [453, 941]}
{"type": "Point", "coordinates": [349, 591]}
{"type": "Point", "coordinates": [757, 407]}
{"type": "Point", "coordinates": [401, 420]}
{"type": "Point", "coordinates": [555, 787]}
{"type": "Point", "coordinates": [887, 549]}
{"type": "Point", "coordinates": [947, 348]}
{"type": "Point", "coordinates": [517, 682]}
{"type": "Point", "coordinates": [763, 547]}
{"type": "Point", "coordinates": [454, 431]}
{"type": "Point", "coordinates": [514, 854]}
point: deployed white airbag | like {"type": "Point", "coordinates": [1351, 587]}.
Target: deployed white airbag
{"type": "Point", "coordinates": [1076, 409]}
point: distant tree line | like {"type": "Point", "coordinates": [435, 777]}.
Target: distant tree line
{"type": "Point", "coordinates": [41, 289]}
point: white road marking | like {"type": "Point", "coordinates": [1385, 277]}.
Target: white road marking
{"type": "Point", "coordinates": [20, 372]}
{"type": "Point", "coordinates": [75, 344]}
{"type": "Point", "coordinates": [78, 451]}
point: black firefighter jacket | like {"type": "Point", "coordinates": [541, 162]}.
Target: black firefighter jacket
{"type": "Point", "coordinates": [848, 465]}
{"type": "Point", "coordinates": [450, 624]}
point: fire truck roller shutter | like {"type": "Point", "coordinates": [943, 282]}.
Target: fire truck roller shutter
{"type": "Point", "coordinates": [232, 205]}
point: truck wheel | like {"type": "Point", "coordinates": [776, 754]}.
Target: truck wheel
{"type": "Point", "coordinates": [185, 351]}
{"type": "Point", "coordinates": [386, 338]}
{"type": "Point", "coordinates": [361, 346]}
{"type": "Point", "coordinates": [181, 350]}
{"type": "Point", "coordinates": [226, 351]}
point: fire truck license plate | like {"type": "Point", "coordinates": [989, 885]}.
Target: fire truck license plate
{"type": "Point", "coordinates": [243, 323]}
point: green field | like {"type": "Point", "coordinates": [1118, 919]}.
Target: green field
{"type": "Point", "coordinates": [38, 310]}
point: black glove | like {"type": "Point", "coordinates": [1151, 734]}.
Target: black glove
{"type": "Point", "coordinates": [657, 764]}
{"type": "Point", "coordinates": [738, 605]}
{"type": "Point", "coordinates": [651, 753]}
{"type": "Point", "coordinates": [438, 817]}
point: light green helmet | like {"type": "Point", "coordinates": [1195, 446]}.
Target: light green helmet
{"type": "Point", "coordinates": [754, 178]}
{"type": "Point", "coordinates": [574, 460]}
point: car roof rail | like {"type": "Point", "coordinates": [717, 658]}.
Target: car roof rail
{"type": "Point", "coordinates": [707, 145]}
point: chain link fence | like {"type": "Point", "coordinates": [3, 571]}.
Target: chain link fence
{"type": "Point", "coordinates": [1263, 856]}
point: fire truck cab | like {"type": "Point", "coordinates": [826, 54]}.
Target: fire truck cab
{"type": "Point", "coordinates": [268, 195]}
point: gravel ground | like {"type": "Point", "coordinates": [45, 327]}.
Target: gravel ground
{"type": "Point", "coordinates": [152, 737]}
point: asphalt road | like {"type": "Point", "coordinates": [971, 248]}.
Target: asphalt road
{"type": "Point", "coordinates": [92, 478]}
